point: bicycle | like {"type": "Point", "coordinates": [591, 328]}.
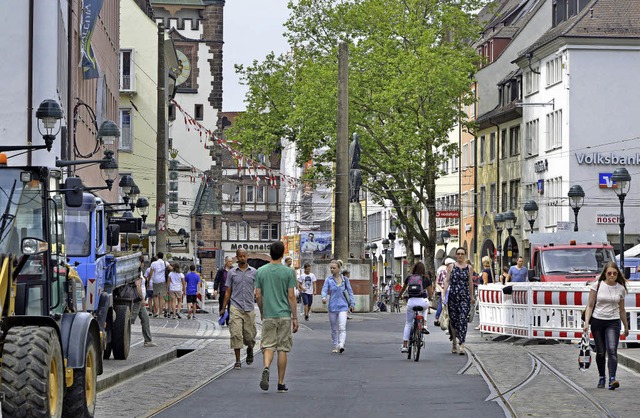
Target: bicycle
{"type": "Point", "coordinates": [416, 338]}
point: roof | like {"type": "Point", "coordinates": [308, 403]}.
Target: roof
{"type": "Point", "coordinates": [599, 19]}
{"type": "Point", "coordinates": [506, 18]}
{"type": "Point", "coordinates": [179, 2]}
{"type": "Point", "coordinates": [206, 201]}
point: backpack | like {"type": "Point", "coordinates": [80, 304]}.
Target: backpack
{"type": "Point", "coordinates": [414, 286]}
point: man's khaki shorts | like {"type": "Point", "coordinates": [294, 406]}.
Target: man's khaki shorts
{"type": "Point", "coordinates": [160, 289]}
{"type": "Point", "coordinates": [276, 334]}
{"type": "Point", "coordinates": [242, 328]}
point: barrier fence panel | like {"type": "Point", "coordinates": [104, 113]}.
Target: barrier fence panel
{"type": "Point", "coordinates": [545, 310]}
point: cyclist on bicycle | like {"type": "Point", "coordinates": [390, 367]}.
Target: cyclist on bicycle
{"type": "Point", "coordinates": [419, 288]}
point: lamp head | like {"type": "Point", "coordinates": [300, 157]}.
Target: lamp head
{"type": "Point", "coordinates": [531, 210]}
{"type": "Point", "coordinates": [576, 196]}
{"type": "Point", "coordinates": [48, 114]}
{"type": "Point", "coordinates": [142, 204]}
{"type": "Point", "coordinates": [498, 221]}
{"type": "Point", "coordinates": [126, 184]}
{"type": "Point", "coordinates": [622, 179]}
{"type": "Point", "coordinates": [108, 132]}
{"type": "Point", "coordinates": [109, 168]}
{"type": "Point", "coordinates": [385, 243]}
{"type": "Point", "coordinates": [446, 236]}
{"type": "Point", "coordinates": [509, 219]}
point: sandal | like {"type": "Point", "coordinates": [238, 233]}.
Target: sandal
{"type": "Point", "coordinates": [454, 349]}
{"type": "Point", "coordinates": [237, 366]}
{"type": "Point", "coordinates": [461, 351]}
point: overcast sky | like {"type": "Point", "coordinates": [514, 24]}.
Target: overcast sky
{"type": "Point", "coordinates": [252, 28]}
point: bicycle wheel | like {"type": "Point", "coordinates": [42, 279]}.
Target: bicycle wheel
{"type": "Point", "coordinates": [417, 343]}
{"type": "Point", "coordinates": [410, 345]}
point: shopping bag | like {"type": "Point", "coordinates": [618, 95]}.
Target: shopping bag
{"type": "Point", "coordinates": [584, 356]}
{"type": "Point", "coordinates": [472, 313]}
{"type": "Point", "coordinates": [444, 318]}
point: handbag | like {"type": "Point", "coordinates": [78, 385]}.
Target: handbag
{"type": "Point", "coordinates": [444, 318]}
{"type": "Point", "coordinates": [433, 303]}
{"type": "Point", "coordinates": [472, 312]}
{"type": "Point", "coordinates": [345, 292]}
{"type": "Point", "coordinates": [584, 356]}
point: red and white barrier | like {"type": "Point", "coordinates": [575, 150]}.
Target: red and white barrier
{"type": "Point", "coordinates": [545, 310]}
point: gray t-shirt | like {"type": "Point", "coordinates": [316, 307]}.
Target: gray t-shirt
{"type": "Point", "coordinates": [242, 285]}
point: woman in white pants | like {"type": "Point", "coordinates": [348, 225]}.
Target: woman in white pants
{"type": "Point", "coordinates": [418, 296]}
{"type": "Point", "coordinates": [338, 289]}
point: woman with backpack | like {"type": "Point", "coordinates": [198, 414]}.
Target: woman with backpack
{"type": "Point", "coordinates": [418, 287]}
{"type": "Point", "coordinates": [339, 293]}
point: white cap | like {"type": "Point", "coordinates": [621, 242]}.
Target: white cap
{"type": "Point", "coordinates": [448, 261]}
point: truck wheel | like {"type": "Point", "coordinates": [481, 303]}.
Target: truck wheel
{"type": "Point", "coordinates": [121, 332]}
{"type": "Point", "coordinates": [80, 400]}
{"type": "Point", "coordinates": [32, 373]}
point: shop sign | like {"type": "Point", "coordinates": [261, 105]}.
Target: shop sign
{"type": "Point", "coordinates": [607, 219]}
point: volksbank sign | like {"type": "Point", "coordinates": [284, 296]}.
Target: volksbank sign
{"type": "Point", "coordinates": [601, 158]}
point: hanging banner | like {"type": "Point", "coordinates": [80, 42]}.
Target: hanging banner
{"type": "Point", "coordinates": [90, 11]}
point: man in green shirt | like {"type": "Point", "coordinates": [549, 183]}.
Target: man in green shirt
{"type": "Point", "coordinates": [275, 284]}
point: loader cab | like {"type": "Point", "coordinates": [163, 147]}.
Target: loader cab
{"type": "Point", "coordinates": [31, 228]}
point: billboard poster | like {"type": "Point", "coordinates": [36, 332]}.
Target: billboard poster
{"type": "Point", "coordinates": [315, 244]}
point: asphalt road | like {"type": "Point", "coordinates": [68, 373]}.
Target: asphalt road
{"type": "Point", "coordinates": [371, 379]}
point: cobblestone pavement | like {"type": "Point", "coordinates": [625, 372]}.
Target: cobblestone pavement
{"type": "Point", "coordinates": [533, 380]}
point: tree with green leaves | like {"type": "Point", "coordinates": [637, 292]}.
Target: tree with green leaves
{"type": "Point", "coordinates": [411, 65]}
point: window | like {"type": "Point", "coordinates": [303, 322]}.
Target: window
{"type": "Point", "coordinates": [503, 143]}
{"type": "Point", "coordinates": [126, 133]}
{"type": "Point", "coordinates": [553, 190]}
{"type": "Point", "coordinates": [445, 166]}
{"type": "Point", "coordinates": [514, 141]}
{"type": "Point", "coordinates": [465, 156]}
{"type": "Point", "coordinates": [493, 204]}
{"type": "Point", "coordinates": [554, 71]}
{"type": "Point", "coordinates": [242, 231]}
{"type": "Point", "coordinates": [514, 193]}
{"type": "Point", "coordinates": [503, 206]}
{"type": "Point", "coordinates": [454, 163]}
{"type": "Point", "coordinates": [472, 153]}
{"type": "Point", "coordinates": [482, 204]}
{"type": "Point", "coordinates": [531, 137]}
{"type": "Point", "coordinates": [532, 81]}
{"type": "Point", "coordinates": [481, 149]}
{"type": "Point", "coordinates": [492, 147]}
{"type": "Point", "coordinates": [232, 230]}
{"type": "Point", "coordinates": [198, 112]}
{"type": "Point", "coordinates": [236, 195]}
{"type": "Point", "coordinates": [251, 195]}
{"type": "Point", "coordinates": [259, 194]}
{"type": "Point", "coordinates": [374, 226]}
{"type": "Point", "coordinates": [272, 195]}
{"type": "Point", "coordinates": [172, 112]}
{"type": "Point", "coordinates": [269, 232]}
{"type": "Point", "coordinates": [554, 130]}
{"type": "Point", "coordinates": [126, 70]}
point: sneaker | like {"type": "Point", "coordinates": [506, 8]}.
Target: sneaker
{"type": "Point", "coordinates": [601, 382]}
{"type": "Point", "coordinates": [173, 317]}
{"type": "Point", "coordinates": [193, 317]}
{"type": "Point", "coordinates": [613, 383]}
{"type": "Point", "coordinates": [178, 315]}
{"type": "Point", "coordinates": [335, 350]}
{"type": "Point", "coordinates": [264, 382]}
{"type": "Point", "coordinates": [155, 315]}
{"type": "Point", "coordinates": [404, 349]}
{"type": "Point", "coordinates": [341, 349]}
{"type": "Point", "coordinates": [306, 317]}
{"type": "Point", "coordinates": [150, 344]}
{"type": "Point", "coordinates": [282, 388]}
{"type": "Point", "coordinates": [436, 323]}
{"type": "Point", "coordinates": [249, 355]}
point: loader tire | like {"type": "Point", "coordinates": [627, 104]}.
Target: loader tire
{"type": "Point", "coordinates": [121, 332]}
{"type": "Point", "coordinates": [32, 373]}
{"type": "Point", "coordinates": [80, 400]}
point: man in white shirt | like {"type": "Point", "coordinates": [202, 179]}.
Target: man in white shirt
{"type": "Point", "coordinates": [157, 276]}
{"type": "Point", "coordinates": [306, 285]}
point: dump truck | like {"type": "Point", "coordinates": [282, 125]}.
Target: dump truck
{"type": "Point", "coordinates": [104, 273]}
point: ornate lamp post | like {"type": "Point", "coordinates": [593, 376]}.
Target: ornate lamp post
{"type": "Point", "coordinates": [498, 222]}
{"type": "Point", "coordinates": [622, 183]}
{"type": "Point", "coordinates": [509, 222]}
{"type": "Point", "coordinates": [576, 200]}
{"type": "Point", "coordinates": [152, 241]}
{"type": "Point", "coordinates": [531, 213]}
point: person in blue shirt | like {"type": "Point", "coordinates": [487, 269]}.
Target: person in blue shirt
{"type": "Point", "coordinates": [336, 288]}
{"type": "Point", "coordinates": [517, 273]}
{"type": "Point", "coordinates": [192, 279]}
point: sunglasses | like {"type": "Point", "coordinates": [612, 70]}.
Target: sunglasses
{"type": "Point", "coordinates": [461, 254]}
{"type": "Point", "coordinates": [612, 273]}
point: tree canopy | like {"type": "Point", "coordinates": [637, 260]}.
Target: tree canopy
{"type": "Point", "coordinates": [411, 65]}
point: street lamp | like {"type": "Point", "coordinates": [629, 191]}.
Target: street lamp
{"type": "Point", "coordinates": [385, 250]}
{"type": "Point", "coordinates": [446, 238]}
{"type": "Point", "coordinates": [142, 204]}
{"type": "Point", "coordinates": [622, 182]}
{"type": "Point", "coordinates": [126, 183]}
{"type": "Point", "coordinates": [48, 114]}
{"type": "Point", "coordinates": [152, 241]}
{"type": "Point", "coordinates": [509, 221]}
{"type": "Point", "coordinates": [531, 213]}
{"type": "Point", "coordinates": [498, 222]}
{"type": "Point", "coordinates": [576, 200]}
{"type": "Point", "coordinates": [392, 238]}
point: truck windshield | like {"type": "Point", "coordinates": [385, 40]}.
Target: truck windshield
{"type": "Point", "coordinates": [77, 233]}
{"type": "Point", "coordinates": [575, 260]}
{"type": "Point", "coordinates": [21, 206]}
